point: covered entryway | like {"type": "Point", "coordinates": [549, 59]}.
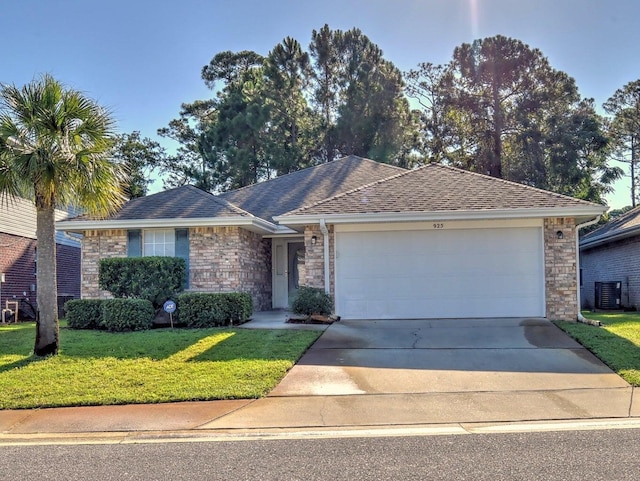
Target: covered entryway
{"type": "Point", "coordinates": [288, 262]}
{"type": "Point", "coordinates": [444, 271]}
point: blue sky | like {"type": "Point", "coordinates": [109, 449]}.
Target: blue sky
{"type": "Point", "coordinates": [142, 58]}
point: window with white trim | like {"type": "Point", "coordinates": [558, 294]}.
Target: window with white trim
{"type": "Point", "coordinates": [159, 242]}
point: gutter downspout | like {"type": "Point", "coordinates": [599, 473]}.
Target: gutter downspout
{"type": "Point", "coordinates": [325, 237]}
{"type": "Point", "coordinates": [580, 317]}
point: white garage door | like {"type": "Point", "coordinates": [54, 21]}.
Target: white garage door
{"type": "Point", "coordinates": [440, 273]}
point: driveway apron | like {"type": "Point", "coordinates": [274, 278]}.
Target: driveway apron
{"type": "Point", "coordinates": [426, 356]}
{"type": "Point", "coordinates": [401, 372]}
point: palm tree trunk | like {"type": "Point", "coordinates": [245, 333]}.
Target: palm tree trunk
{"type": "Point", "coordinates": [47, 319]}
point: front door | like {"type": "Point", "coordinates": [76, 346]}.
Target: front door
{"type": "Point", "coordinates": [287, 259]}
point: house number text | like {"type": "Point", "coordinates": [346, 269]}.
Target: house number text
{"type": "Point", "coordinates": [438, 226]}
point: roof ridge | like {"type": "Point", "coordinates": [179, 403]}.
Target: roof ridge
{"type": "Point", "coordinates": [337, 196]}
{"type": "Point", "coordinates": [455, 170]}
{"type": "Point", "coordinates": [511, 182]}
{"type": "Point", "coordinates": [218, 199]}
{"type": "Point", "coordinates": [318, 166]}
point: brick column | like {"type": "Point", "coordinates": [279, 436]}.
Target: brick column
{"type": "Point", "coordinates": [560, 269]}
{"type": "Point", "coordinates": [314, 257]}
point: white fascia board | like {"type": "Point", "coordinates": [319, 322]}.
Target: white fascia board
{"type": "Point", "coordinates": [579, 213]}
{"type": "Point", "coordinates": [250, 223]}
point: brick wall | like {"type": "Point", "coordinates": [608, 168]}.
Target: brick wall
{"type": "Point", "coordinates": [221, 259]}
{"type": "Point", "coordinates": [18, 262]}
{"type": "Point", "coordinates": [96, 245]}
{"type": "Point", "coordinates": [617, 261]}
{"type": "Point", "coordinates": [68, 261]}
{"type": "Point", "coordinates": [230, 259]}
{"type": "Point", "coordinates": [560, 269]}
{"type": "Point", "coordinates": [314, 257]}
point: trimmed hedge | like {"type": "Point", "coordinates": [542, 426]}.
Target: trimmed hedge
{"type": "Point", "coordinates": [120, 315]}
{"type": "Point", "coordinates": [155, 279]}
{"type": "Point", "coordinates": [198, 309]}
{"type": "Point", "coordinates": [84, 313]}
{"type": "Point", "coordinates": [312, 300]}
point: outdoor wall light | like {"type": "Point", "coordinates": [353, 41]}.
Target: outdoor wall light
{"type": "Point", "coordinates": [560, 234]}
{"type": "Point", "coordinates": [314, 239]}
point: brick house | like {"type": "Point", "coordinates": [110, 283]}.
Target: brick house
{"type": "Point", "coordinates": [385, 242]}
{"type": "Point", "coordinates": [18, 256]}
{"type": "Point", "coordinates": [609, 260]}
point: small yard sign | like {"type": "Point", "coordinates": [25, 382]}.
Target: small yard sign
{"type": "Point", "coordinates": [170, 307]}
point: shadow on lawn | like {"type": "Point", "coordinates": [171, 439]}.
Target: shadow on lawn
{"type": "Point", "coordinates": [21, 363]}
{"type": "Point", "coordinates": [179, 345]}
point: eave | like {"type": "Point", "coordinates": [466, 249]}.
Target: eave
{"type": "Point", "coordinates": [606, 239]}
{"type": "Point", "coordinates": [254, 224]}
{"type": "Point", "coordinates": [580, 214]}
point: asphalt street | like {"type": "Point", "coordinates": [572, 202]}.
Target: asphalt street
{"type": "Point", "coordinates": [569, 455]}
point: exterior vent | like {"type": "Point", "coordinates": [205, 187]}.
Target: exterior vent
{"type": "Point", "coordinates": [608, 295]}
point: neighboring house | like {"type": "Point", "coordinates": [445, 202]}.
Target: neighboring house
{"type": "Point", "coordinates": [18, 256]}
{"type": "Point", "coordinates": [610, 257]}
{"type": "Point", "coordinates": [387, 243]}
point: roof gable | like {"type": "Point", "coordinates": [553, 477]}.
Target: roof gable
{"type": "Point", "coordinates": [291, 191]}
{"type": "Point", "coordinates": [435, 188]}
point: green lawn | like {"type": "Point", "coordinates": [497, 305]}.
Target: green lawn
{"type": "Point", "coordinates": [617, 343]}
{"type": "Point", "coordinates": [155, 366]}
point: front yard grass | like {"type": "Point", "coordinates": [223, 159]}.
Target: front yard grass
{"type": "Point", "coordinates": [616, 343]}
{"type": "Point", "coordinates": [163, 365]}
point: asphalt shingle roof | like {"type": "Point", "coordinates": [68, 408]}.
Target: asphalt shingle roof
{"type": "Point", "coordinates": [623, 224]}
{"type": "Point", "coordinates": [292, 191]}
{"type": "Point", "coordinates": [186, 202]}
{"type": "Point", "coordinates": [436, 187]}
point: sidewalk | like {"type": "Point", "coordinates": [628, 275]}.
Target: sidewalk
{"type": "Point", "coordinates": [597, 398]}
{"type": "Point", "coordinates": [278, 415]}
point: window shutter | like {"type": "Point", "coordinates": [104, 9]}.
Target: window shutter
{"type": "Point", "coordinates": [182, 250]}
{"type": "Point", "coordinates": [134, 243]}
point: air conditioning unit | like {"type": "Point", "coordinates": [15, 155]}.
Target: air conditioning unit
{"type": "Point", "coordinates": [608, 295]}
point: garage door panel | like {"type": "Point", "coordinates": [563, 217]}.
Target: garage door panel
{"type": "Point", "coordinates": [432, 274]}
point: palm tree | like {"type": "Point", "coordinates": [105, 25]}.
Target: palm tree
{"type": "Point", "coordinates": [54, 145]}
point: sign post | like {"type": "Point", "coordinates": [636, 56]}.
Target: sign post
{"type": "Point", "coordinates": [170, 307]}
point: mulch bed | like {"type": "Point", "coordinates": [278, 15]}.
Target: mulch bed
{"type": "Point", "coordinates": [314, 319]}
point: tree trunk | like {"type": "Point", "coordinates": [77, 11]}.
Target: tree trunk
{"type": "Point", "coordinates": [495, 168]}
{"type": "Point", "coordinates": [47, 320]}
{"type": "Point", "coordinates": [633, 171]}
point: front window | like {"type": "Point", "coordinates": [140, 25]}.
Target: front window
{"type": "Point", "coordinates": [159, 242]}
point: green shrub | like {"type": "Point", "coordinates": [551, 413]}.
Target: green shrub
{"type": "Point", "coordinates": [197, 309]}
{"type": "Point", "coordinates": [127, 314]}
{"type": "Point", "coordinates": [312, 300]}
{"type": "Point", "coordinates": [83, 313]}
{"type": "Point", "coordinates": [155, 279]}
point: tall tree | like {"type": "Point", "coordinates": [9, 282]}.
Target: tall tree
{"type": "Point", "coordinates": [54, 148]}
{"type": "Point", "coordinates": [191, 162]}
{"type": "Point", "coordinates": [292, 144]}
{"type": "Point", "coordinates": [624, 130]}
{"type": "Point", "coordinates": [139, 156]}
{"type": "Point", "coordinates": [426, 86]}
{"type": "Point", "coordinates": [234, 144]}
{"type": "Point", "coordinates": [325, 51]}
{"type": "Point", "coordinates": [499, 108]}
{"type": "Point", "coordinates": [360, 94]}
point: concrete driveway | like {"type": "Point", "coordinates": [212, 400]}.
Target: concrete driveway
{"type": "Point", "coordinates": [371, 373]}
{"type": "Point", "coordinates": [427, 356]}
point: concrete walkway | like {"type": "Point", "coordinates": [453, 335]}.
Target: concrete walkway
{"type": "Point", "coordinates": [375, 374]}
